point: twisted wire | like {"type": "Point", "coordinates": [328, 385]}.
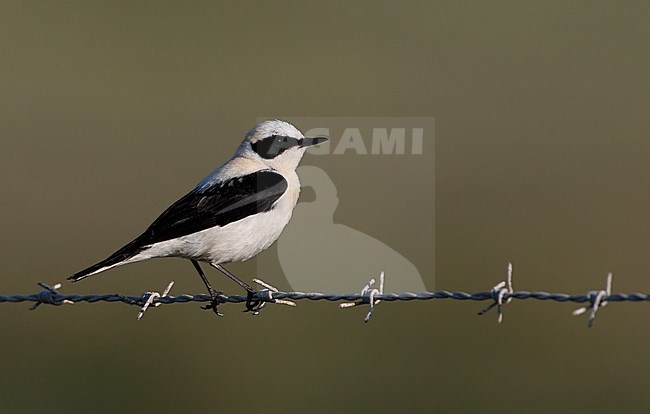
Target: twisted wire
{"type": "Point", "coordinates": [500, 295]}
{"type": "Point", "coordinates": [57, 298]}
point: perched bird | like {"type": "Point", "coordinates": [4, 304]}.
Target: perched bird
{"type": "Point", "coordinates": [234, 213]}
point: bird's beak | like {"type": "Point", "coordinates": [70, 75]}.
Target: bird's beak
{"type": "Point", "coordinates": [308, 142]}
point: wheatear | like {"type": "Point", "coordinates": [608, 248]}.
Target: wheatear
{"type": "Point", "coordinates": [234, 213]}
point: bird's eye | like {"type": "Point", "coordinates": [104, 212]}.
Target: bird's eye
{"type": "Point", "coordinates": [273, 146]}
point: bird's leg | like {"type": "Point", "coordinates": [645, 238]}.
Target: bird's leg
{"type": "Point", "coordinates": [214, 294]}
{"type": "Point", "coordinates": [250, 305]}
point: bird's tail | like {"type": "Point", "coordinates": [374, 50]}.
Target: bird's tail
{"type": "Point", "coordinates": [118, 258]}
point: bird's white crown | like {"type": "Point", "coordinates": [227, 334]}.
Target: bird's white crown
{"type": "Point", "coordinates": [271, 127]}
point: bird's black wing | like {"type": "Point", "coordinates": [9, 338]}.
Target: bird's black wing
{"type": "Point", "coordinates": [200, 209]}
{"type": "Point", "coordinates": [221, 204]}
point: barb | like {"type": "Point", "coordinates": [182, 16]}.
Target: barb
{"type": "Point", "coordinates": [151, 297]}
{"type": "Point", "coordinates": [501, 294]}
{"type": "Point", "coordinates": [269, 291]}
{"type": "Point", "coordinates": [598, 299]}
{"type": "Point", "coordinates": [368, 297]}
{"type": "Point", "coordinates": [47, 296]}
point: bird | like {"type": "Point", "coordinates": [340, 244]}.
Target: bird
{"type": "Point", "coordinates": [234, 213]}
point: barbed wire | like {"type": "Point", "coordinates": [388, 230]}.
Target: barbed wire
{"type": "Point", "coordinates": [501, 294]}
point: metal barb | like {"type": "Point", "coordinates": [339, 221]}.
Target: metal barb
{"type": "Point", "coordinates": [499, 292]}
{"type": "Point", "coordinates": [152, 296]}
{"type": "Point", "coordinates": [368, 297]}
{"type": "Point", "coordinates": [268, 291]}
{"type": "Point", "coordinates": [597, 299]}
{"type": "Point", "coordinates": [47, 296]}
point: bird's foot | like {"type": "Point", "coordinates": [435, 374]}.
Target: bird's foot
{"type": "Point", "coordinates": [253, 305]}
{"type": "Point", "coordinates": [263, 297]}
{"type": "Point", "coordinates": [214, 302]}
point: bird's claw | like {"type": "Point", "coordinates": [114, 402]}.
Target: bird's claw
{"type": "Point", "coordinates": [264, 296]}
{"type": "Point", "coordinates": [253, 305]}
{"type": "Point", "coordinates": [214, 302]}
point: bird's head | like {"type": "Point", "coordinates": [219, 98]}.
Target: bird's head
{"type": "Point", "coordinates": [276, 143]}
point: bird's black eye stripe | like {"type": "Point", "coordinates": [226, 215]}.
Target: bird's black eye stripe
{"type": "Point", "coordinates": [271, 147]}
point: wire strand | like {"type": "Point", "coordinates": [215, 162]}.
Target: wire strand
{"type": "Point", "coordinates": [501, 295]}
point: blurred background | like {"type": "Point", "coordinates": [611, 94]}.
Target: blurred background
{"type": "Point", "coordinates": [110, 111]}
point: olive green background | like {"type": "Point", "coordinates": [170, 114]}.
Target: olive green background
{"type": "Point", "coordinates": [109, 111]}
